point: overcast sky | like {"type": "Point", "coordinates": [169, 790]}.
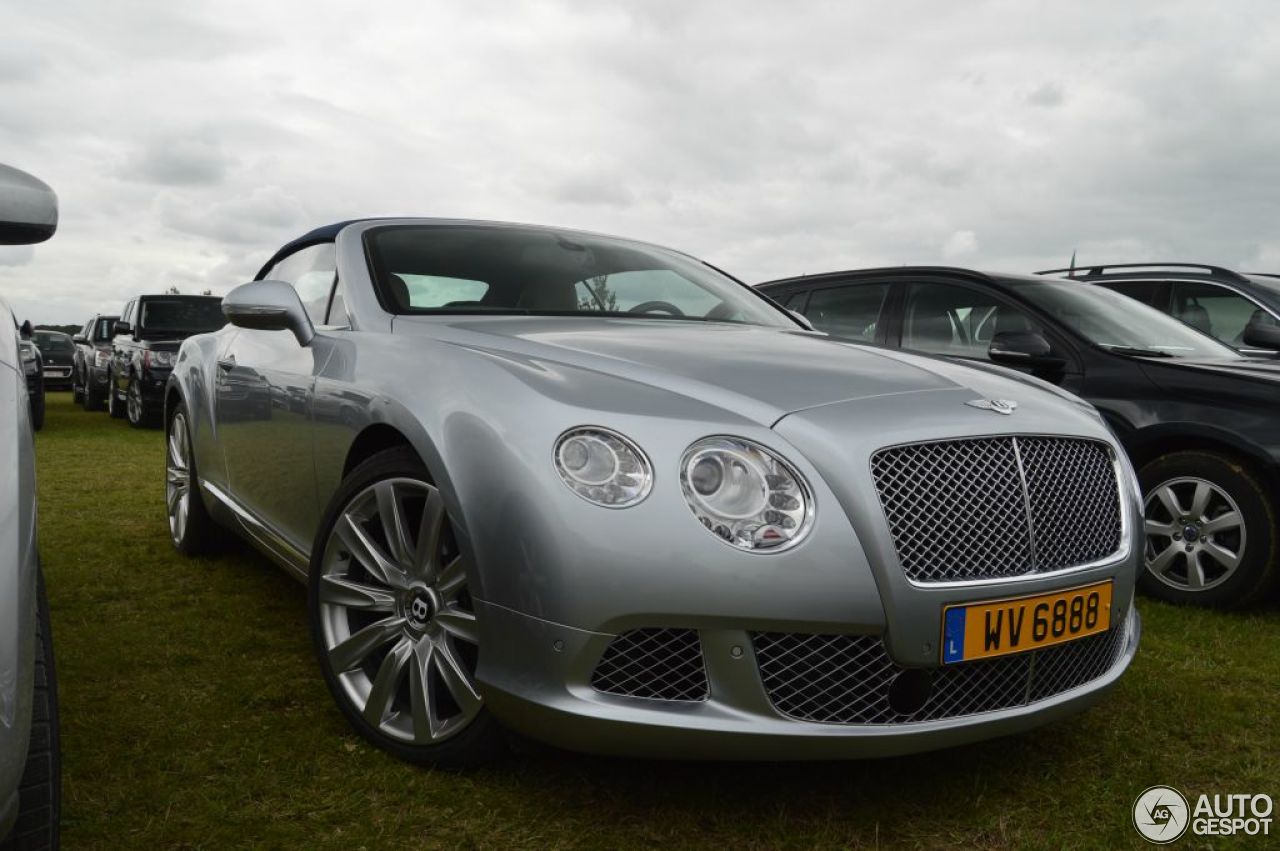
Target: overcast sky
{"type": "Point", "coordinates": [187, 144]}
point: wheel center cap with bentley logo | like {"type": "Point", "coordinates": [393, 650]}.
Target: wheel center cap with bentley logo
{"type": "Point", "coordinates": [419, 609]}
{"type": "Point", "coordinates": [998, 406]}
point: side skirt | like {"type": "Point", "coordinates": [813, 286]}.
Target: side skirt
{"type": "Point", "coordinates": [271, 544]}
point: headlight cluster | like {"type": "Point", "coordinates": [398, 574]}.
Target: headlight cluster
{"type": "Point", "coordinates": [745, 494]}
{"type": "Point", "coordinates": [162, 359]}
{"type": "Point", "coordinates": [603, 467]}
{"type": "Point", "coordinates": [742, 492]}
{"type": "Point", "coordinates": [101, 357]}
{"type": "Point", "coordinates": [27, 351]}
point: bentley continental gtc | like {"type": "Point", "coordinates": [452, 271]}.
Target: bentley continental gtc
{"type": "Point", "coordinates": [601, 494]}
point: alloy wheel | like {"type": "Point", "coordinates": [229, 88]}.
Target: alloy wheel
{"type": "Point", "coordinates": [134, 402]}
{"type": "Point", "coordinates": [1196, 534]}
{"type": "Point", "coordinates": [178, 477]}
{"type": "Point", "coordinates": [396, 616]}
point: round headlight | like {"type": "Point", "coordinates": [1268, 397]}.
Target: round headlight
{"type": "Point", "coordinates": [603, 467]}
{"type": "Point", "coordinates": [745, 494]}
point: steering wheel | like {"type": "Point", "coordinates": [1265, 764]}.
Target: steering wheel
{"type": "Point", "coordinates": [650, 306]}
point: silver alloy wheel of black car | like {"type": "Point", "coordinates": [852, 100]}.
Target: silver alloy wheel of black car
{"type": "Point", "coordinates": [395, 616]}
{"type": "Point", "coordinates": [133, 396]}
{"type": "Point", "coordinates": [177, 486]}
{"type": "Point", "coordinates": [1195, 532]}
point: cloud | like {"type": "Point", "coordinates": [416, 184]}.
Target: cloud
{"type": "Point", "coordinates": [263, 216]}
{"type": "Point", "coordinates": [1047, 95]}
{"type": "Point", "coordinates": [962, 243]}
{"type": "Point", "coordinates": [179, 161]}
{"type": "Point", "coordinates": [16, 255]}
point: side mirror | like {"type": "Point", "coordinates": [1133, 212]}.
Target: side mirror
{"type": "Point", "coordinates": [28, 208]}
{"type": "Point", "coordinates": [123, 327]}
{"type": "Point", "coordinates": [1023, 348]}
{"type": "Point", "coordinates": [24, 330]}
{"type": "Point", "coordinates": [1262, 335]}
{"type": "Point", "coordinates": [80, 339]}
{"type": "Point", "coordinates": [269, 306]}
{"type": "Point", "coordinates": [801, 318]}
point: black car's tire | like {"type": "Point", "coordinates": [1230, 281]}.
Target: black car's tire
{"type": "Point", "coordinates": [92, 400]}
{"type": "Point", "coordinates": [1239, 525]}
{"type": "Point", "coordinates": [196, 533]}
{"type": "Point", "coordinates": [37, 410]}
{"type": "Point", "coordinates": [115, 405]}
{"type": "Point", "coordinates": [140, 416]}
{"type": "Point", "coordinates": [40, 791]}
{"type": "Point", "coordinates": [77, 391]}
{"type": "Point", "coordinates": [478, 738]}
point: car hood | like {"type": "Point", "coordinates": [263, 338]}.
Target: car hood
{"type": "Point", "coordinates": [760, 373]}
{"type": "Point", "coordinates": [57, 358]}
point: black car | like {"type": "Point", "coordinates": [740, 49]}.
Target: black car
{"type": "Point", "coordinates": [1242, 311]}
{"type": "Point", "coordinates": [93, 356]}
{"type": "Point", "coordinates": [145, 345]}
{"type": "Point", "coordinates": [33, 371]}
{"type": "Point", "coordinates": [1197, 418]}
{"type": "Point", "coordinates": [59, 355]}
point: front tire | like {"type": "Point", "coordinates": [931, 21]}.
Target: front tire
{"type": "Point", "coordinates": [136, 405]}
{"type": "Point", "coordinates": [37, 411]}
{"type": "Point", "coordinates": [392, 618]}
{"type": "Point", "coordinates": [77, 389]}
{"type": "Point", "coordinates": [115, 408]}
{"type": "Point", "coordinates": [191, 529]}
{"type": "Point", "coordinates": [40, 790]}
{"type": "Point", "coordinates": [92, 396]}
{"type": "Point", "coordinates": [1210, 531]}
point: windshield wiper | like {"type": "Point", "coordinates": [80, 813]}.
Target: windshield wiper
{"type": "Point", "coordinates": [1138, 352]}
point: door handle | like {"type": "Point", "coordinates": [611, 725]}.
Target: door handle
{"type": "Point", "coordinates": [227, 363]}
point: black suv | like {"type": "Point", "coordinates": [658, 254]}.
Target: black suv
{"type": "Point", "coordinates": [59, 355]}
{"type": "Point", "coordinates": [1196, 417]}
{"type": "Point", "coordinates": [93, 356]}
{"type": "Point", "coordinates": [1242, 311]}
{"type": "Point", "coordinates": [147, 336]}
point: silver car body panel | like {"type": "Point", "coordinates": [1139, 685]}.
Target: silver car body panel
{"type": "Point", "coordinates": [482, 400]}
{"type": "Point", "coordinates": [18, 566]}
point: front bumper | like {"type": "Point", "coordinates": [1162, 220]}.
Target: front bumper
{"type": "Point", "coordinates": [57, 375]}
{"type": "Point", "coordinates": [542, 688]}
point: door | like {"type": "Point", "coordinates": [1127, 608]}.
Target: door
{"type": "Point", "coordinates": [265, 386]}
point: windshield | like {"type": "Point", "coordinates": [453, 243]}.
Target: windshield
{"type": "Point", "coordinates": [1114, 321]}
{"type": "Point", "coordinates": [47, 342]}
{"type": "Point", "coordinates": [185, 315]}
{"type": "Point", "coordinates": [428, 269]}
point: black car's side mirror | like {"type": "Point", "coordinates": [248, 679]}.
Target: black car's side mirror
{"type": "Point", "coordinates": [1262, 335]}
{"type": "Point", "coordinates": [24, 330]}
{"type": "Point", "coordinates": [123, 327]}
{"type": "Point", "coordinates": [1024, 348]}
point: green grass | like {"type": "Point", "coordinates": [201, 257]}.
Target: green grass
{"type": "Point", "coordinates": [194, 717]}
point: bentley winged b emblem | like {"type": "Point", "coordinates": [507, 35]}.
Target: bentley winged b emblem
{"type": "Point", "coordinates": [999, 406]}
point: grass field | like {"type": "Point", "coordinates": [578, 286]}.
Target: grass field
{"type": "Point", "coordinates": [194, 717]}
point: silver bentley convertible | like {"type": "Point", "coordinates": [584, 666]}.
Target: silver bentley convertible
{"type": "Point", "coordinates": [605, 496]}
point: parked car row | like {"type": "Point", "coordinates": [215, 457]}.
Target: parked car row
{"type": "Point", "coordinates": [123, 361]}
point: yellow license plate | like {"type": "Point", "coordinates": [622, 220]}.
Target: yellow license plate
{"type": "Point", "coordinates": [999, 627]}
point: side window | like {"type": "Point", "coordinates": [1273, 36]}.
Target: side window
{"type": "Point", "coordinates": [848, 311]}
{"type": "Point", "coordinates": [128, 312]}
{"type": "Point", "coordinates": [311, 270]}
{"type": "Point", "coordinates": [1147, 292]}
{"type": "Point", "coordinates": [794, 301]}
{"type": "Point", "coordinates": [951, 320]}
{"type": "Point", "coordinates": [338, 307]}
{"type": "Point", "coordinates": [1216, 311]}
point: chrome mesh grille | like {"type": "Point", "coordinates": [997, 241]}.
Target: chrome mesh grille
{"type": "Point", "coordinates": [1075, 504]}
{"type": "Point", "coordinates": [656, 664]}
{"type": "Point", "coordinates": [845, 679]}
{"type": "Point", "coordinates": [992, 508]}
